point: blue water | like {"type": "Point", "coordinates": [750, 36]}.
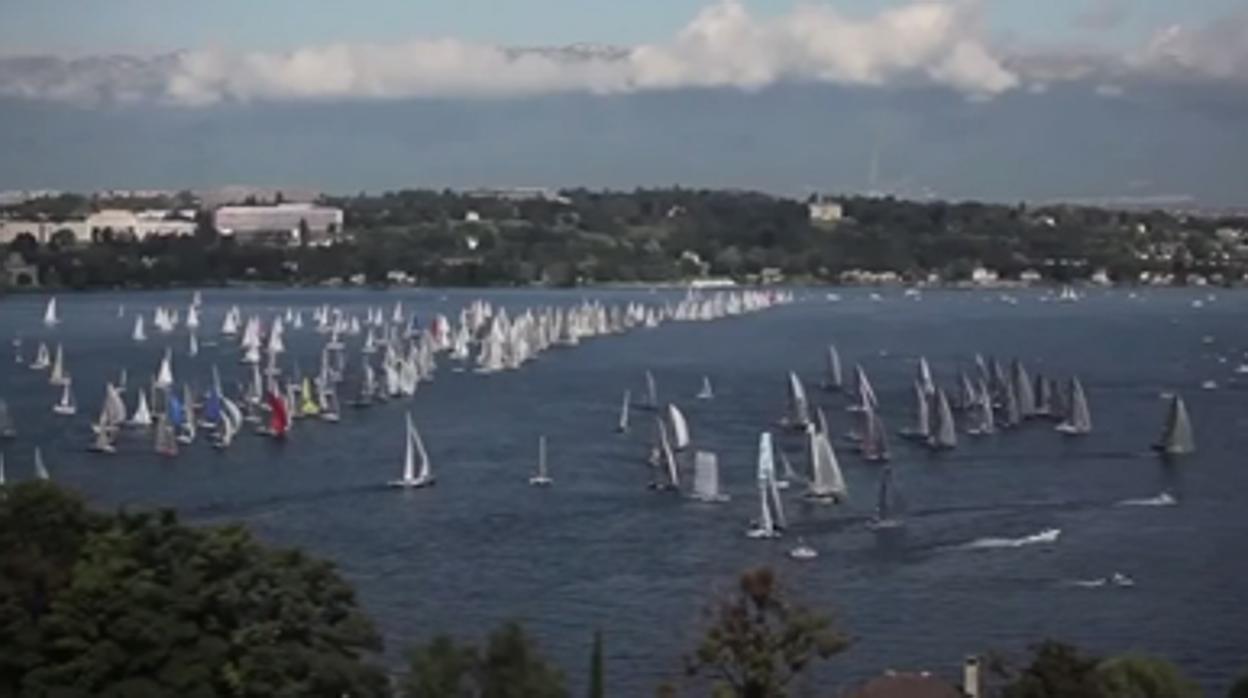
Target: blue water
{"type": "Point", "coordinates": [598, 550]}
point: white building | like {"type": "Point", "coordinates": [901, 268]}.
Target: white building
{"type": "Point", "coordinates": [43, 231]}
{"type": "Point", "coordinates": [825, 211]}
{"type": "Point", "coordinates": [279, 224]}
{"type": "Point", "coordinates": [984, 276]}
{"type": "Point", "coordinates": [132, 225]}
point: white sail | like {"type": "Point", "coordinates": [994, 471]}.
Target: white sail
{"type": "Point", "coordinates": [193, 348]}
{"type": "Point", "coordinates": [680, 427]}
{"type": "Point", "coordinates": [139, 334]}
{"type": "Point", "coordinates": [1177, 438]}
{"type": "Point", "coordinates": [417, 470]}
{"type": "Point", "coordinates": [42, 358]}
{"type": "Point", "coordinates": [799, 407]}
{"type": "Point", "coordinates": [192, 317]}
{"type": "Point", "coordinates": [922, 428]}
{"type": "Point", "coordinates": [835, 380]}
{"type": "Point", "coordinates": [41, 470]}
{"type": "Point", "coordinates": [925, 377]}
{"type": "Point", "coordinates": [142, 416]}
{"type": "Point", "coordinates": [1079, 421]}
{"type": "Point", "coordinates": [945, 435]}
{"type": "Point", "coordinates": [826, 480]}
{"type": "Point", "coordinates": [669, 458]}
{"type": "Point", "coordinates": [67, 406]}
{"type": "Point", "coordinates": [622, 426]}
{"type": "Point", "coordinates": [542, 477]}
{"type": "Point", "coordinates": [652, 392]}
{"type": "Point", "coordinates": [164, 375]}
{"type": "Point", "coordinates": [58, 376]}
{"type": "Point", "coordinates": [707, 392]}
{"type": "Point", "coordinates": [706, 478]}
{"type": "Point", "coordinates": [50, 317]}
{"type": "Point", "coordinates": [766, 525]}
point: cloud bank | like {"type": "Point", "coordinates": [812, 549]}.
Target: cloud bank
{"type": "Point", "coordinates": [925, 43]}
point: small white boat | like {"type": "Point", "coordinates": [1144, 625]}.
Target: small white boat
{"type": "Point", "coordinates": [50, 317]}
{"type": "Point", "coordinates": [707, 392]}
{"type": "Point", "coordinates": [67, 407]}
{"type": "Point", "coordinates": [803, 551]}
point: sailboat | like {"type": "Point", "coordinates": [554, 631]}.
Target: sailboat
{"type": "Point", "coordinates": [922, 429]}
{"type": "Point", "coordinates": [67, 406]}
{"type": "Point", "coordinates": [889, 504]}
{"type": "Point", "coordinates": [945, 436]}
{"type": "Point", "coordinates": [42, 358]}
{"type": "Point", "coordinates": [41, 470]}
{"type": "Point", "coordinates": [652, 393]}
{"type": "Point", "coordinates": [279, 416]}
{"type": "Point", "coordinates": [166, 439]}
{"type": "Point", "coordinates": [835, 380]}
{"type": "Point", "coordinates": [541, 478]}
{"type": "Point", "coordinates": [59, 376]}
{"type": "Point", "coordinates": [142, 416]}
{"type": "Point", "coordinates": [925, 381]}
{"type": "Point", "coordinates": [7, 429]}
{"type": "Point", "coordinates": [192, 349]}
{"type": "Point", "coordinates": [622, 425]}
{"type": "Point", "coordinates": [874, 438]}
{"type": "Point", "coordinates": [1079, 420]}
{"type": "Point", "coordinates": [799, 408]}
{"type": "Point", "coordinates": [417, 471]}
{"type": "Point", "coordinates": [139, 334]}
{"type": "Point", "coordinates": [827, 484]}
{"type": "Point", "coordinates": [231, 422]}
{"type": "Point", "coordinates": [770, 520]}
{"type": "Point", "coordinates": [680, 428]}
{"type": "Point", "coordinates": [983, 419]}
{"type": "Point", "coordinates": [707, 392]}
{"type": "Point", "coordinates": [1176, 437]}
{"type": "Point", "coordinates": [706, 478]}
{"type": "Point", "coordinates": [1023, 392]}
{"type": "Point", "coordinates": [330, 411]}
{"type": "Point", "coordinates": [665, 461]}
{"type": "Point", "coordinates": [164, 375]}
{"type": "Point", "coordinates": [50, 317]}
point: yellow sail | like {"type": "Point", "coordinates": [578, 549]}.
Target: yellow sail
{"type": "Point", "coordinates": [307, 399]}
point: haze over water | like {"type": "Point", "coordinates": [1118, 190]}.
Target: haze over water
{"type": "Point", "coordinates": [598, 550]}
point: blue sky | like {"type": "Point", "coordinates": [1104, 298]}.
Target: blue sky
{"type": "Point", "coordinates": [93, 26]}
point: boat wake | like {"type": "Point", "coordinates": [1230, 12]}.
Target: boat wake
{"type": "Point", "coordinates": [1117, 579]}
{"type": "Point", "coordinates": [1045, 537]}
{"type": "Point", "coordinates": [1165, 499]}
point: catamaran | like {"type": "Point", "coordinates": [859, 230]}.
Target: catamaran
{"type": "Point", "coordinates": [889, 505]}
{"type": "Point", "coordinates": [50, 318]}
{"type": "Point", "coordinates": [1079, 420]}
{"type": "Point", "coordinates": [622, 425]}
{"type": "Point", "coordinates": [706, 478]}
{"type": "Point", "coordinates": [541, 478]}
{"type": "Point", "coordinates": [680, 428]}
{"type": "Point", "coordinates": [417, 470]}
{"type": "Point", "coordinates": [770, 520]}
{"type": "Point", "coordinates": [707, 392]}
{"type": "Point", "coordinates": [1176, 437]}
{"type": "Point", "coordinates": [827, 484]}
{"type": "Point", "coordinates": [67, 406]}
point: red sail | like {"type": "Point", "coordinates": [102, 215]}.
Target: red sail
{"type": "Point", "coordinates": [278, 420]}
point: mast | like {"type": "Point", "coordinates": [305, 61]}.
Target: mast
{"type": "Point", "coordinates": [622, 426]}
{"type": "Point", "coordinates": [835, 379]}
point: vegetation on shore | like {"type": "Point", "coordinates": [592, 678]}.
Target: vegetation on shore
{"type": "Point", "coordinates": [137, 604]}
{"type": "Point", "coordinates": [653, 236]}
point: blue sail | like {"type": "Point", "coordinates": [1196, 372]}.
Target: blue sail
{"type": "Point", "coordinates": [212, 407]}
{"type": "Point", "coordinates": [177, 414]}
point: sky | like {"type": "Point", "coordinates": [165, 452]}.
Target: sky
{"type": "Point", "coordinates": [1160, 87]}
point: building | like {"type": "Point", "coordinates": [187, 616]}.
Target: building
{"type": "Point", "coordinates": [136, 225]}
{"type": "Point", "coordinates": [18, 273]}
{"type": "Point", "coordinates": [42, 231]}
{"type": "Point", "coordinates": [982, 276]}
{"type": "Point", "coordinates": [280, 224]}
{"type": "Point", "coordinates": [825, 211]}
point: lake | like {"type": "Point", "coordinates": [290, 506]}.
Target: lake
{"type": "Point", "coordinates": [599, 550]}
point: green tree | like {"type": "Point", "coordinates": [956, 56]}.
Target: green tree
{"type": "Point", "coordinates": [1239, 689]}
{"type": "Point", "coordinates": [510, 667]}
{"type": "Point", "coordinates": [1056, 670]}
{"type": "Point", "coordinates": [596, 678]}
{"type": "Point", "coordinates": [140, 605]}
{"type": "Point", "coordinates": [759, 642]}
{"type": "Point", "coordinates": [63, 239]}
{"type": "Point", "coordinates": [440, 670]}
{"type": "Point", "coordinates": [1131, 676]}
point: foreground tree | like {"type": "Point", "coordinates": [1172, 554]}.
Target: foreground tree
{"type": "Point", "coordinates": [759, 642]}
{"type": "Point", "coordinates": [154, 608]}
{"type": "Point", "coordinates": [1131, 676]}
{"type": "Point", "coordinates": [1056, 670]}
{"type": "Point", "coordinates": [509, 667]}
{"type": "Point", "coordinates": [1239, 689]}
{"type": "Point", "coordinates": [596, 680]}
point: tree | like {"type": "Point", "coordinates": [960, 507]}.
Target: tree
{"type": "Point", "coordinates": [140, 605]}
{"type": "Point", "coordinates": [759, 642]}
{"type": "Point", "coordinates": [1239, 689]}
{"type": "Point", "coordinates": [1131, 676]}
{"type": "Point", "coordinates": [63, 239]}
{"type": "Point", "coordinates": [510, 667]}
{"type": "Point", "coordinates": [596, 687]}
{"type": "Point", "coordinates": [25, 244]}
{"type": "Point", "coordinates": [1056, 670]}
